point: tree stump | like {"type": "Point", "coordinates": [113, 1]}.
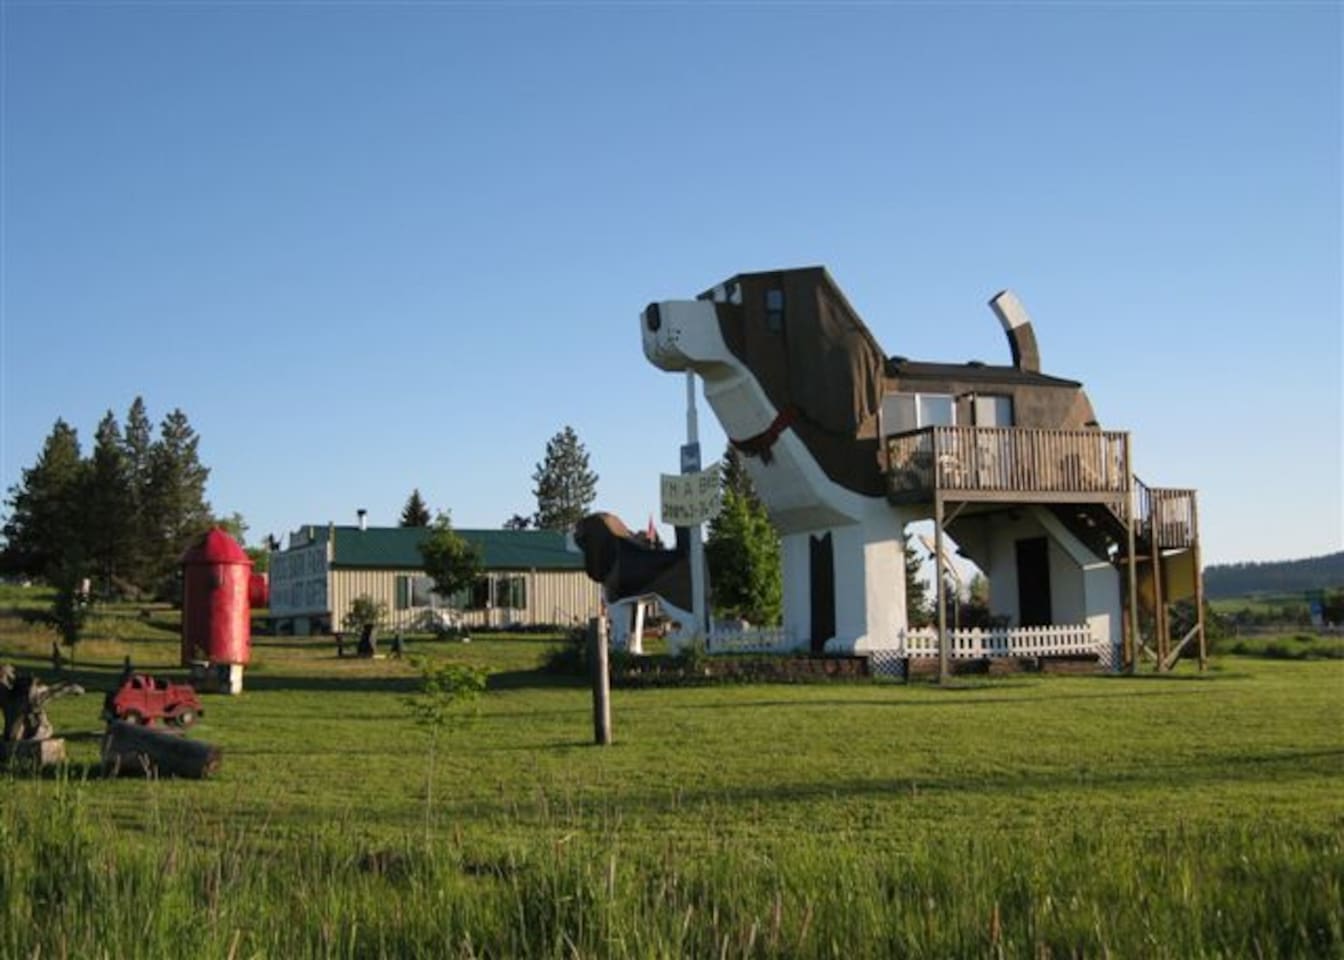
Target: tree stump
{"type": "Point", "coordinates": [132, 750]}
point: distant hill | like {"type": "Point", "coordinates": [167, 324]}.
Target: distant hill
{"type": "Point", "coordinates": [1284, 576]}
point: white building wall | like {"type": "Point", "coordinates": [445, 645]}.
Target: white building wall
{"type": "Point", "coordinates": [1084, 588]}
{"type": "Point", "coordinates": [299, 581]}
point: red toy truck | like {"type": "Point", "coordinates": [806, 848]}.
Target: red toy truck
{"type": "Point", "coordinates": [144, 699]}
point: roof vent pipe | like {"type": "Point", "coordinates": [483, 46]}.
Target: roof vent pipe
{"type": "Point", "coordinates": [1017, 324]}
{"type": "Point", "coordinates": [363, 518]}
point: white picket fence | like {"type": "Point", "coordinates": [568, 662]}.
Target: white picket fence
{"type": "Point", "coordinates": [748, 640]}
{"type": "Point", "coordinates": [977, 644]}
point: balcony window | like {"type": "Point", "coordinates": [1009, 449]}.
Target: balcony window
{"type": "Point", "coordinates": [902, 412]}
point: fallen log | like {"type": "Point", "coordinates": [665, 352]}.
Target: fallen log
{"type": "Point", "coordinates": [133, 750]}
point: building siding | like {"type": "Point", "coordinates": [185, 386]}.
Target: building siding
{"type": "Point", "coordinates": [560, 597]}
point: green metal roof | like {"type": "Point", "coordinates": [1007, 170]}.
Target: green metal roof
{"type": "Point", "coordinates": [398, 548]}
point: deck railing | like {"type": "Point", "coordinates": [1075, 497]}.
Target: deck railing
{"type": "Point", "coordinates": [1168, 514]}
{"type": "Point", "coordinates": [1008, 460]}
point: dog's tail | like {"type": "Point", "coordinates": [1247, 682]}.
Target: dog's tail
{"type": "Point", "coordinates": [1017, 324]}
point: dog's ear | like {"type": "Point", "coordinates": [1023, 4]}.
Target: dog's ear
{"type": "Point", "coordinates": [835, 364]}
{"type": "Point", "coordinates": [599, 535]}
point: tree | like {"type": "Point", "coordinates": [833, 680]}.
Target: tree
{"type": "Point", "coordinates": [733, 475]}
{"type": "Point", "coordinates": [518, 522]}
{"type": "Point", "coordinates": [43, 532]}
{"type": "Point", "coordinates": [743, 553]}
{"type": "Point", "coordinates": [235, 526]}
{"type": "Point", "coordinates": [916, 590]}
{"type": "Point", "coordinates": [176, 510]}
{"type": "Point", "coordinates": [109, 523]}
{"type": "Point", "coordinates": [565, 486]}
{"type": "Point", "coordinates": [364, 612]}
{"type": "Point", "coordinates": [450, 561]}
{"type": "Point", "coordinates": [260, 557]}
{"type": "Point", "coordinates": [415, 513]}
{"type": "Point", "coordinates": [444, 687]}
{"type": "Point", "coordinates": [137, 442]}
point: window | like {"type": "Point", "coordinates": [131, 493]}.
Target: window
{"type": "Point", "coordinates": [912, 411]}
{"type": "Point", "coordinates": [992, 410]}
{"type": "Point", "coordinates": [936, 410]}
{"type": "Point", "coordinates": [774, 310]}
{"type": "Point", "coordinates": [511, 593]}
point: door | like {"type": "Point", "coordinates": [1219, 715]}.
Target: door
{"type": "Point", "coordinates": [822, 576]}
{"type": "Point", "coordinates": [1033, 582]}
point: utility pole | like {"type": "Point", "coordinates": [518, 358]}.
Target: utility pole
{"type": "Point", "coordinates": [690, 463]}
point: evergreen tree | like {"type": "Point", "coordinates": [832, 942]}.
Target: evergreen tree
{"type": "Point", "coordinates": [565, 486]}
{"type": "Point", "coordinates": [518, 522]}
{"type": "Point", "coordinates": [917, 602]}
{"type": "Point", "coordinates": [108, 519]}
{"type": "Point", "coordinates": [138, 442]}
{"type": "Point", "coordinates": [235, 525]}
{"type": "Point", "coordinates": [743, 552]}
{"type": "Point", "coordinates": [43, 530]}
{"type": "Point", "coordinates": [733, 475]}
{"type": "Point", "coordinates": [175, 507]}
{"type": "Point", "coordinates": [450, 561]}
{"type": "Point", "coordinates": [415, 513]}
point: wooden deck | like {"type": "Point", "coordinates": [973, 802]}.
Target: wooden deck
{"type": "Point", "coordinates": [1167, 516]}
{"type": "Point", "coordinates": [1009, 463]}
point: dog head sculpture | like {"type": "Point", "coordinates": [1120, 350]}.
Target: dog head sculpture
{"type": "Point", "coordinates": [818, 365]}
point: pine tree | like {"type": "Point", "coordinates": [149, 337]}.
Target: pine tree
{"type": "Point", "coordinates": [176, 510]}
{"type": "Point", "coordinates": [43, 531]}
{"type": "Point", "coordinates": [565, 486]}
{"type": "Point", "coordinates": [415, 513]}
{"type": "Point", "coordinates": [108, 520]}
{"type": "Point", "coordinates": [743, 552]}
{"type": "Point", "coordinates": [137, 442]}
{"type": "Point", "coordinates": [733, 475]}
{"type": "Point", "coordinates": [917, 602]}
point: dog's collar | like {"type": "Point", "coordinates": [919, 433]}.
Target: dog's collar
{"type": "Point", "coordinates": [759, 445]}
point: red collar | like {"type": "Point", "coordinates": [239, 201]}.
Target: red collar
{"type": "Point", "coordinates": [759, 445]}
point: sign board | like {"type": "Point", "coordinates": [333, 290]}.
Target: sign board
{"type": "Point", "coordinates": [691, 498]}
{"type": "Point", "coordinates": [690, 458]}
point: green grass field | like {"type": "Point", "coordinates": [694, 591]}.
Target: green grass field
{"type": "Point", "coordinates": [1028, 816]}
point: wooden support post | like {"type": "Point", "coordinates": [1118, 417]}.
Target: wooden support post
{"type": "Point", "coordinates": [1199, 581]}
{"type": "Point", "coordinates": [1132, 561]}
{"type": "Point", "coordinates": [597, 649]}
{"type": "Point", "coordinates": [944, 670]}
{"type": "Point", "coordinates": [1160, 643]}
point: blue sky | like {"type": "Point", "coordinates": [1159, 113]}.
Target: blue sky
{"type": "Point", "coordinates": [374, 247]}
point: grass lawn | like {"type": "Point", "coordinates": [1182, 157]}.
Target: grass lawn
{"type": "Point", "coordinates": [1028, 816]}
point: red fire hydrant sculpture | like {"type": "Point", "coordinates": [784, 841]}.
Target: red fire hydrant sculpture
{"type": "Point", "coordinates": [216, 614]}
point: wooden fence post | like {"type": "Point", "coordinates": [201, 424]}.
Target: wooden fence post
{"type": "Point", "coordinates": [597, 649]}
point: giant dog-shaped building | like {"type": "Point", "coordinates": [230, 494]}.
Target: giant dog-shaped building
{"type": "Point", "coordinates": [802, 388]}
{"type": "Point", "coordinates": [795, 378]}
